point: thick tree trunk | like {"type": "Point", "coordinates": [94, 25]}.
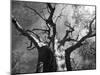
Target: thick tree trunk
{"type": "Point", "coordinates": [46, 56]}
{"type": "Point", "coordinates": [67, 61]}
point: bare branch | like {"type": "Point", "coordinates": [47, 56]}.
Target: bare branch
{"type": "Point", "coordinates": [50, 7]}
{"type": "Point", "coordinates": [34, 34]}
{"type": "Point", "coordinates": [69, 26]}
{"type": "Point", "coordinates": [49, 20]}
{"type": "Point", "coordinates": [66, 37]}
{"type": "Point", "coordinates": [59, 15]}
{"type": "Point", "coordinates": [92, 35]}
{"type": "Point", "coordinates": [25, 32]}
{"type": "Point", "coordinates": [17, 25]}
{"type": "Point", "coordinates": [69, 39]}
{"type": "Point", "coordinates": [35, 12]}
{"type": "Point", "coordinates": [30, 47]}
{"type": "Point", "coordinates": [58, 18]}
{"type": "Point", "coordinates": [42, 11]}
{"type": "Point", "coordinates": [90, 25]}
{"type": "Point", "coordinates": [43, 30]}
{"type": "Point", "coordinates": [80, 42]}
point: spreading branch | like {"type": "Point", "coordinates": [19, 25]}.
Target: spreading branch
{"type": "Point", "coordinates": [80, 42]}
{"type": "Point", "coordinates": [66, 37]}
{"type": "Point", "coordinates": [25, 32]}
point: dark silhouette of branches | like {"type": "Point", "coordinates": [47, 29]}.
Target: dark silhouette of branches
{"type": "Point", "coordinates": [66, 37]}
{"type": "Point", "coordinates": [24, 32]}
{"type": "Point", "coordinates": [31, 47]}
{"type": "Point", "coordinates": [44, 52]}
{"type": "Point", "coordinates": [34, 11]}
{"type": "Point", "coordinates": [77, 45]}
{"type": "Point", "coordinates": [49, 21]}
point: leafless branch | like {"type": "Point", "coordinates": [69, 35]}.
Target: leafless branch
{"type": "Point", "coordinates": [24, 32]}
{"type": "Point", "coordinates": [80, 42]}
{"type": "Point", "coordinates": [30, 47]}
{"type": "Point", "coordinates": [35, 12]}
{"type": "Point", "coordinates": [69, 26]}
{"type": "Point", "coordinates": [43, 30]}
{"type": "Point", "coordinates": [90, 25]}
{"type": "Point", "coordinates": [66, 37]}
{"type": "Point", "coordinates": [59, 15]}
{"type": "Point", "coordinates": [42, 11]}
{"type": "Point", "coordinates": [34, 34]}
{"type": "Point", "coordinates": [50, 7]}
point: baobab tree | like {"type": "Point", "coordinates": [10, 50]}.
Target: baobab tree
{"type": "Point", "coordinates": [45, 54]}
{"type": "Point", "coordinates": [53, 54]}
{"type": "Point", "coordinates": [49, 65]}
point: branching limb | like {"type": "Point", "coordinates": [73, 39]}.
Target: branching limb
{"type": "Point", "coordinates": [35, 12]}
{"type": "Point", "coordinates": [66, 38]}
{"type": "Point", "coordinates": [34, 34]}
{"type": "Point", "coordinates": [69, 26]}
{"type": "Point", "coordinates": [25, 32]}
{"type": "Point", "coordinates": [80, 42]}
{"type": "Point", "coordinates": [30, 46]}
{"type": "Point", "coordinates": [50, 7]}
{"type": "Point", "coordinates": [59, 15]}
{"type": "Point", "coordinates": [90, 26]}
{"type": "Point", "coordinates": [43, 30]}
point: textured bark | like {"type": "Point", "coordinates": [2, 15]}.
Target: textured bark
{"type": "Point", "coordinates": [47, 57]}
{"type": "Point", "coordinates": [67, 61]}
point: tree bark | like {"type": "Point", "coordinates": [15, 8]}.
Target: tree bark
{"type": "Point", "coordinates": [67, 61]}
{"type": "Point", "coordinates": [47, 57]}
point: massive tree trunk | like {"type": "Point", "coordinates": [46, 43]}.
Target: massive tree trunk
{"type": "Point", "coordinates": [47, 57]}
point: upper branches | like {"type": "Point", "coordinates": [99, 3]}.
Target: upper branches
{"type": "Point", "coordinates": [35, 12]}
{"type": "Point", "coordinates": [50, 7]}
{"type": "Point", "coordinates": [90, 34]}
{"type": "Point", "coordinates": [26, 33]}
{"type": "Point", "coordinates": [67, 37]}
{"type": "Point", "coordinates": [51, 12]}
{"type": "Point", "coordinates": [80, 42]}
{"type": "Point", "coordinates": [49, 22]}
